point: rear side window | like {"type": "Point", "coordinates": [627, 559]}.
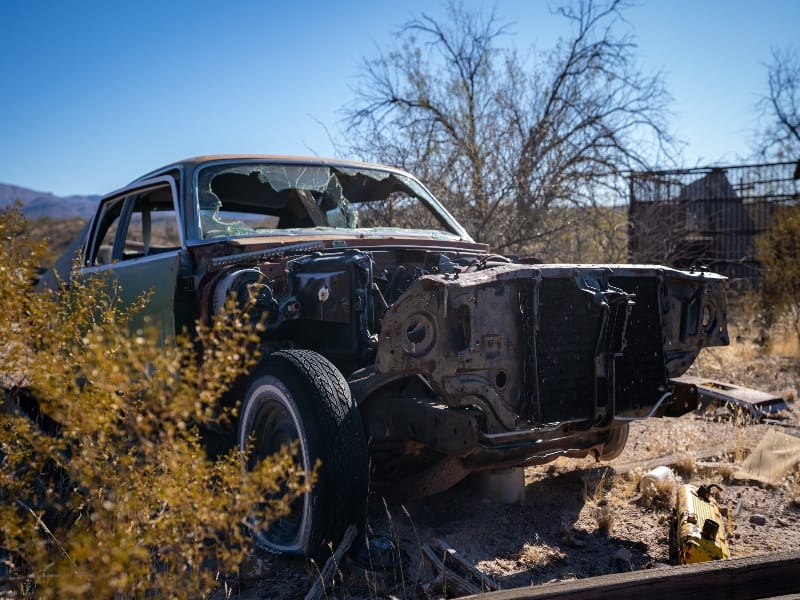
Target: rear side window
{"type": "Point", "coordinates": [103, 249]}
{"type": "Point", "coordinates": [152, 227]}
{"type": "Point", "coordinates": [139, 224]}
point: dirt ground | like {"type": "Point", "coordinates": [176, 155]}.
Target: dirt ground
{"type": "Point", "coordinates": [576, 518]}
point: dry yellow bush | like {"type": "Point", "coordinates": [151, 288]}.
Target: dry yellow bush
{"type": "Point", "coordinates": [539, 554]}
{"type": "Point", "coordinates": [110, 493]}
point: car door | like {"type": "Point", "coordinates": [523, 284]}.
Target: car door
{"type": "Point", "coordinates": [137, 242]}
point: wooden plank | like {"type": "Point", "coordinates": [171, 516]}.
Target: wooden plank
{"type": "Point", "coordinates": [329, 570]}
{"type": "Point", "coordinates": [665, 459]}
{"type": "Point", "coordinates": [747, 578]}
{"type": "Point", "coordinates": [452, 582]}
{"type": "Point", "coordinates": [462, 566]}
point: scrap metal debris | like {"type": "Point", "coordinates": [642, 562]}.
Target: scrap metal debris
{"type": "Point", "coordinates": [776, 455]}
{"type": "Point", "coordinates": [700, 529]}
{"type": "Point", "coordinates": [759, 404]}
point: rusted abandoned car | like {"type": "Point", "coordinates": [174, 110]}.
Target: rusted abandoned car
{"type": "Point", "coordinates": [396, 350]}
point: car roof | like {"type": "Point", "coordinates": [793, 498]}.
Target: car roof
{"type": "Point", "coordinates": [192, 163]}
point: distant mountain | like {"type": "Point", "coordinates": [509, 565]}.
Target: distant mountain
{"type": "Point", "coordinates": [44, 204]}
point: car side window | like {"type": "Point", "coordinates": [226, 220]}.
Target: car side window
{"type": "Point", "coordinates": [107, 233]}
{"type": "Point", "coordinates": [152, 226]}
{"type": "Point", "coordinates": [142, 223]}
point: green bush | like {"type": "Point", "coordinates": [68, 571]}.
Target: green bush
{"type": "Point", "coordinates": [116, 497]}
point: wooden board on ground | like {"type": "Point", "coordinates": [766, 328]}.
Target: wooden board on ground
{"type": "Point", "coordinates": [749, 578]}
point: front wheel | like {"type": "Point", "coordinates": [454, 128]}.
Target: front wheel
{"type": "Point", "coordinates": [298, 395]}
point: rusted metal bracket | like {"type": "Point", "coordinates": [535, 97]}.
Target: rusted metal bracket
{"type": "Point", "coordinates": [759, 404]}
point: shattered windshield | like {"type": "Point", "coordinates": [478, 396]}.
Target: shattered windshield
{"type": "Point", "coordinates": [252, 198]}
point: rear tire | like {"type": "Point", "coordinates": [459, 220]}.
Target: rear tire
{"type": "Point", "coordinates": [299, 395]}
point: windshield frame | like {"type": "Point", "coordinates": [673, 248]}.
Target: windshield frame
{"type": "Point", "coordinates": [450, 228]}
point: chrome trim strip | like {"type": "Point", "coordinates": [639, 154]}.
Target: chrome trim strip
{"type": "Point", "coordinates": [234, 259]}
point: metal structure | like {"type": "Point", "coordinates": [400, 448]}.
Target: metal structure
{"type": "Point", "coordinates": [709, 217]}
{"type": "Point", "coordinates": [759, 405]}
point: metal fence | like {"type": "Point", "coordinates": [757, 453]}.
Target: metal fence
{"type": "Point", "coordinates": [709, 217]}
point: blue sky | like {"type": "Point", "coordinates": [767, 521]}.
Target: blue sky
{"type": "Point", "coordinates": [96, 93]}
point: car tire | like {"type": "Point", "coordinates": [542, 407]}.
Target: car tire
{"type": "Point", "coordinates": [299, 395]}
{"type": "Point", "coordinates": [615, 444]}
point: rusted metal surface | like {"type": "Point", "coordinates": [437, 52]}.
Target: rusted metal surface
{"type": "Point", "coordinates": [759, 404]}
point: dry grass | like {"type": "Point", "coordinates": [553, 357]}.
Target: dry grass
{"type": "Point", "coordinates": [597, 490]}
{"type": "Point", "coordinates": [730, 520]}
{"type": "Point", "coordinates": [539, 554]}
{"type": "Point", "coordinates": [604, 516]}
{"type": "Point", "coordinates": [726, 470]}
{"type": "Point", "coordinates": [793, 489]}
{"type": "Point", "coordinates": [789, 395]}
{"type": "Point", "coordinates": [656, 493]}
{"type": "Point", "coordinates": [611, 493]}
{"type": "Point", "coordinates": [685, 464]}
{"type": "Point", "coordinates": [627, 485]}
{"type": "Point", "coordinates": [754, 337]}
{"type": "Point", "coordinates": [785, 346]}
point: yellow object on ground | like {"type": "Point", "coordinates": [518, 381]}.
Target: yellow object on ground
{"type": "Point", "coordinates": [700, 530]}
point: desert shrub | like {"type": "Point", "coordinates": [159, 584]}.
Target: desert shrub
{"type": "Point", "coordinates": [655, 493]}
{"type": "Point", "coordinates": [111, 494]}
{"type": "Point", "coordinates": [539, 554]}
{"type": "Point", "coordinates": [778, 251]}
{"type": "Point", "coordinates": [59, 234]}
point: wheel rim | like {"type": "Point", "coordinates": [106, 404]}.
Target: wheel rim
{"type": "Point", "coordinates": [274, 423]}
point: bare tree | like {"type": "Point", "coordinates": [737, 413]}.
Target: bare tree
{"type": "Point", "coordinates": [510, 144]}
{"type": "Point", "coordinates": [780, 109]}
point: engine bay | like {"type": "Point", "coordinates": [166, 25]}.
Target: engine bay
{"type": "Point", "coordinates": [336, 301]}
